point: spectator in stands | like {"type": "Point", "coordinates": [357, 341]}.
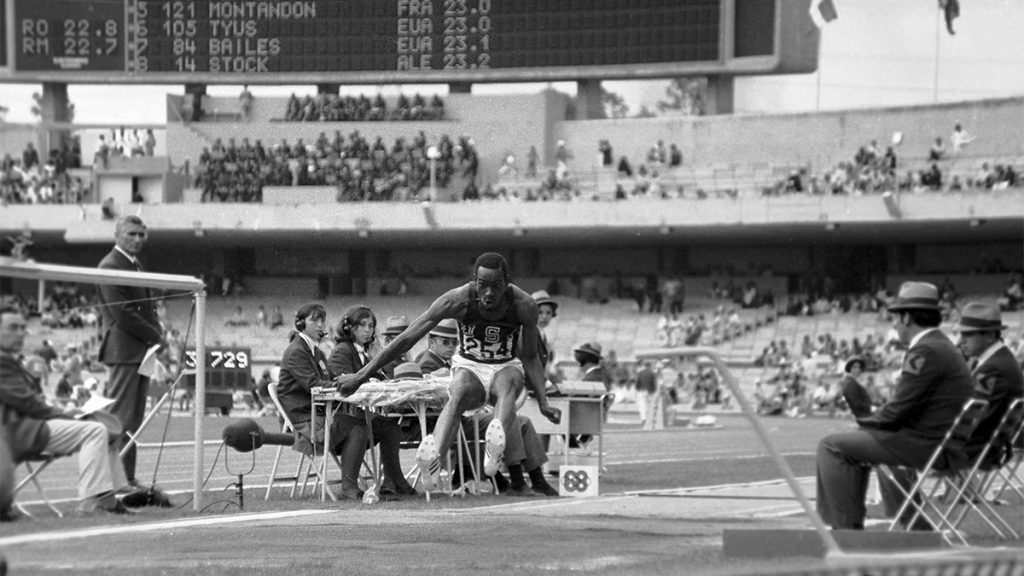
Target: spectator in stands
{"type": "Point", "coordinates": [237, 319]}
{"type": "Point", "coordinates": [937, 151]}
{"type": "Point", "coordinates": [604, 150]}
{"type": "Point", "coordinates": [245, 103]}
{"type": "Point", "coordinates": [1013, 295]}
{"type": "Point", "coordinates": [149, 144]}
{"type": "Point", "coordinates": [675, 156]}
{"type": "Point", "coordinates": [855, 394]}
{"type": "Point", "coordinates": [959, 139]}
{"type": "Point", "coordinates": [646, 388]}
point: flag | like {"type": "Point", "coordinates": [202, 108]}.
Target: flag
{"type": "Point", "coordinates": [952, 10]}
{"type": "Point", "coordinates": [823, 12]}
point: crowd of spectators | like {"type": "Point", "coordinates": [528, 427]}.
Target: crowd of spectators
{"type": "Point", "coordinates": [124, 144]}
{"type": "Point", "coordinates": [335, 108]}
{"type": "Point", "coordinates": [361, 170]}
{"type": "Point", "coordinates": [30, 180]}
{"type": "Point", "coordinates": [872, 171]}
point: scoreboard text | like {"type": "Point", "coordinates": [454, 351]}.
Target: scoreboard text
{"type": "Point", "coordinates": [174, 40]}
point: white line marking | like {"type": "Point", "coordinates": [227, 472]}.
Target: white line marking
{"type": "Point", "coordinates": [153, 527]}
{"type": "Point", "coordinates": [701, 459]}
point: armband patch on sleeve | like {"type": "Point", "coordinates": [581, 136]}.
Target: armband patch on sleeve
{"type": "Point", "coordinates": [913, 364]}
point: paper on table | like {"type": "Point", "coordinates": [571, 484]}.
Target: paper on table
{"type": "Point", "coordinates": [94, 403]}
{"type": "Point", "coordinates": [148, 366]}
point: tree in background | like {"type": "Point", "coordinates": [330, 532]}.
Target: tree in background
{"type": "Point", "coordinates": [686, 96]}
{"type": "Point", "coordinates": [614, 104]}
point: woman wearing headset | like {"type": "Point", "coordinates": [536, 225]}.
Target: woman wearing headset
{"type": "Point", "coordinates": [355, 334]}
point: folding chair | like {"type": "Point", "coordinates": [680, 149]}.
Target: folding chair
{"type": "Point", "coordinates": [42, 462]}
{"type": "Point", "coordinates": [305, 467]}
{"type": "Point", "coordinates": [984, 474]}
{"type": "Point", "coordinates": [957, 435]}
{"type": "Point", "coordinates": [1010, 472]}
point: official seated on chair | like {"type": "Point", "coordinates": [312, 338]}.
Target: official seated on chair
{"type": "Point", "coordinates": [354, 337]}
{"type": "Point", "coordinates": [997, 375]}
{"type": "Point", "coordinates": [304, 367]}
{"type": "Point", "coordinates": [34, 428]}
{"type": "Point", "coordinates": [933, 386]}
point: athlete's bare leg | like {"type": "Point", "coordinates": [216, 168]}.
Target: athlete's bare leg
{"type": "Point", "coordinates": [505, 388]}
{"type": "Point", "coordinates": [466, 393]}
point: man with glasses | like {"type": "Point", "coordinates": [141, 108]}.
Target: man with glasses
{"type": "Point", "coordinates": [441, 344]}
{"type": "Point", "coordinates": [130, 327]}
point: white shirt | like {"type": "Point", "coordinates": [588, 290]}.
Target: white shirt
{"type": "Point", "coordinates": [130, 258]}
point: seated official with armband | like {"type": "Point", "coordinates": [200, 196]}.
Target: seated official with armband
{"type": "Point", "coordinates": [34, 428]}
{"type": "Point", "coordinates": [303, 368]}
{"type": "Point", "coordinates": [354, 337]}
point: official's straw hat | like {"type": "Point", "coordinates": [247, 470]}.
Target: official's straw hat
{"type": "Point", "coordinates": [980, 317]}
{"type": "Point", "coordinates": [916, 296]}
{"type": "Point", "coordinates": [542, 297]}
{"type": "Point", "coordinates": [591, 348]}
{"type": "Point", "coordinates": [395, 325]}
{"type": "Point", "coordinates": [408, 371]}
{"type": "Point", "coordinates": [447, 328]}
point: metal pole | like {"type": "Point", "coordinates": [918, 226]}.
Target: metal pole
{"type": "Point", "coordinates": [748, 410]}
{"type": "Point", "coordinates": [832, 548]}
{"type": "Point", "coordinates": [433, 179]}
{"type": "Point", "coordinates": [938, 37]}
{"type": "Point", "coordinates": [200, 401]}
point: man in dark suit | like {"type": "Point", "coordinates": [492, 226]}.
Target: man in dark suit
{"type": "Point", "coordinates": [997, 375]}
{"type": "Point", "coordinates": [130, 327]}
{"type": "Point", "coordinates": [442, 341]}
{"type": "Point", "coordinates": [933, 386]}
{"type": "Point", "coordinates": [304, 367]}
{"type": "Point", "coordinates": [33, 427]}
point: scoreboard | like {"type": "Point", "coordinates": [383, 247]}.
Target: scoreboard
{"type": "Point", "coordinates": [377, 41]}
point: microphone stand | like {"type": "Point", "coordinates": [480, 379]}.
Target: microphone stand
{"type": "Point", "coordinates": [240, 485]}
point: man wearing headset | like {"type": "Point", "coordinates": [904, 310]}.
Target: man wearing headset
{"type": "Point", "coordinates": [497, 351]}
{"type": "Point", "coordinates": [304, 367]}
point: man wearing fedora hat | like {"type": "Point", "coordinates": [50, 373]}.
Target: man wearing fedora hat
{"type": "Point", "coordinates": [933, 386]}
{"type": "Point", "coordinates": [997, 375]}
{"type": "Point", "coordinates": [497, 355]}
{"type": "Point", "coordinates": [441, 343]}
{"type": "Point", "coordinates": [393, 326]}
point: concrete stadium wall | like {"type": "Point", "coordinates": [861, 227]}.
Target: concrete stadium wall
{"type": "Point", "coordinates": [504, 124]}
{"type": "Point", "coordinates": [13, 138]}
{"type": "Point", "coordinates": [818, 139]}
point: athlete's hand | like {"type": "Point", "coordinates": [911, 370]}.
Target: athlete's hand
{"type": "Point", "coordinates": [347, 384]}
{"type": "Point", "coordinates": [552, 414]}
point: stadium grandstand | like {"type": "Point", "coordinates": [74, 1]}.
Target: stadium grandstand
{"type": "Point", "coordinates": [776, 239]}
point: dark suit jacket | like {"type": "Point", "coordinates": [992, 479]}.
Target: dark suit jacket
{"type": "Point", "coordinates": [130, 324]}
{"type": "Point", "coordinates": [23, 410]}
{"type": "Point", "coordinates": [430, 362]}
{"type": "Point", "coordinates": [345, 360]}
{"type": "Point", "coordinates": [998, 380]}
{"type": "Point", "coordinates": [301, 371]}
{"type": "Point", "coordinates": [933, 386]}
